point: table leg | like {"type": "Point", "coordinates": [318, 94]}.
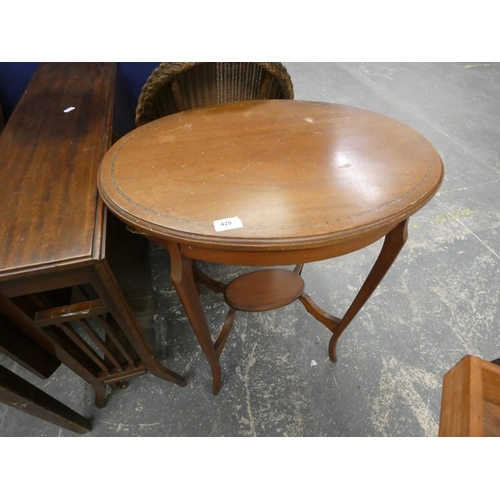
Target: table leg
{"type": "Point", "coordinates": [393, 243]}
{"type": "Point", "coordinates": [20, 394]}
{"type": "Point", "coordinates": [181, 273]}
{"type": "Point", "coordinates": [55, 342]}
{"type": "Point", "coordinates": [109, 290]}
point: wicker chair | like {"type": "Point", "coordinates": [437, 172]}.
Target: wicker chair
{"type": "Point", "coordinates": [174, 87]}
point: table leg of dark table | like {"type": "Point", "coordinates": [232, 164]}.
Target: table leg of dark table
{"type": "Point", "coordinates": [20, 394]}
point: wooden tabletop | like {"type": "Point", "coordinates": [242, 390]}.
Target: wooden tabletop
{"type": "Point", "coordinates": [295, 173]}
{"type": "Point", "coordinates": [48, 167]}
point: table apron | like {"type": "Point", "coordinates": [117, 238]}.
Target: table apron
{"type": "Point", "coordinates": [279, 257]}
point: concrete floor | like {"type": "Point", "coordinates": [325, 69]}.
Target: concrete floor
{"type": "Point", "coordinates": [438, 303]}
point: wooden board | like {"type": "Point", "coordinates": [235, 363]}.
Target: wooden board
{"type": "Point", "coordinates": [48, 167]}
{"type": "Point", "coordinates": [470, 404]}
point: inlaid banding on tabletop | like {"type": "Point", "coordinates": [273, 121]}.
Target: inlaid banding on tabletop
{"type": "Point", "coordinates": [285, 168]}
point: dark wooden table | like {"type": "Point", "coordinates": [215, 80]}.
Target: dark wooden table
{"type": "Point", "coordinates": [67, 266]}
{"type": "Point", "coordinates": [306, 181]}
{"type": "Point", "coordinates": [19, 393]}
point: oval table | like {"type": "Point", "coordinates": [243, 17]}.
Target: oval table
{"type": "Point", "coordinates": [269, 183]}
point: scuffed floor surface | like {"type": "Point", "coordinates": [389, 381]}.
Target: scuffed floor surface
{"type": "Point", "coordinates": [438, 303]}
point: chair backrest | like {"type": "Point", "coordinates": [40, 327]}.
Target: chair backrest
{"type": "Point", "coordinates": [174, 87]}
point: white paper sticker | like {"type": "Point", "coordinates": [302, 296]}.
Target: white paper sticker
{"type": "Point", "coordinates": [227, 224]}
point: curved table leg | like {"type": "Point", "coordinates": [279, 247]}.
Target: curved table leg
{"type": "Point", "coordinates": [327, 319]}
{"type": "Point", "coordinates": [393, 243]}
{"type": "Point", "coordinates": [181, 273]}
{"type": "Point", "coordinates": [202, 279]}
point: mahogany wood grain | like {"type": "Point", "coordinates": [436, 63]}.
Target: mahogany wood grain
{"type": "Point", "coordinates": [264, 290]}
{"type": "Point", "coordinates": [58, 239]}
{"type": "Point", "coordinates": [309, 181]}
{"type": "Point", "coordinates": [49, 200]}
{"type": "Point", "coordinates": [298, 174]}
{"type": "Point", "coordinates": [68, 312]}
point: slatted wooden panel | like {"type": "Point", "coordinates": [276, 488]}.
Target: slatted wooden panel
{"type": "Point", "coordinates": [89, 326]}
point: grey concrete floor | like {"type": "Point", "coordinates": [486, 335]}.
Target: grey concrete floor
{"type": "Point", "coordinates": [438, 303]}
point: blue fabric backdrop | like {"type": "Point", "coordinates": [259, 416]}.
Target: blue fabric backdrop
{"type": "Point", "coordinates": [14, 78]}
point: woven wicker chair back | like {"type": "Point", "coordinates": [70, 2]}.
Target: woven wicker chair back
{"type": "Point", "coordinates": [174, 87]}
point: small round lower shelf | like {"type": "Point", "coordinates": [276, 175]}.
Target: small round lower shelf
{"type": "Point", "coordinates": [264, 290]}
